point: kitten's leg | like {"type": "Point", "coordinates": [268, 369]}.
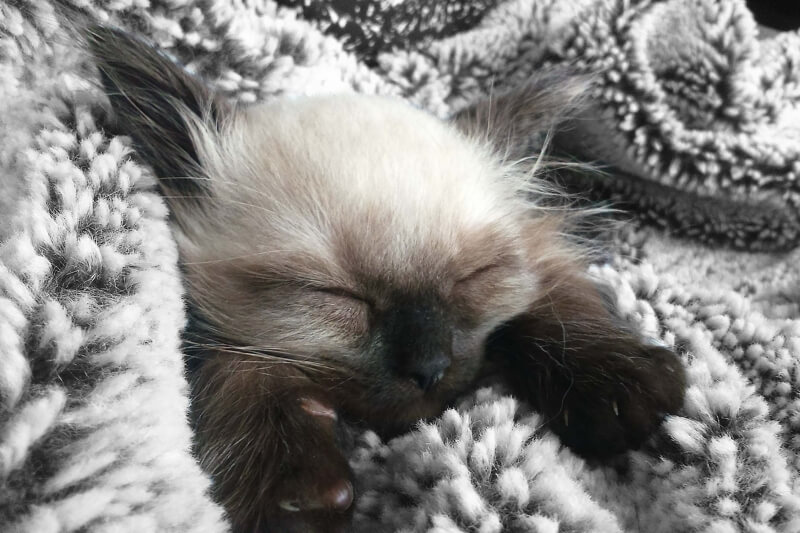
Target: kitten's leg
{"type": "Point", "coordinates": [268, 437]}
{"type": "Point", "coordinates": [602, 388]}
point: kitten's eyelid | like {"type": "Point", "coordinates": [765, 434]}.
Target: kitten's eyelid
{"type": "Point", "coordinates": [343, 293]}
{"type": "Point", "coordinates": [478, 271]}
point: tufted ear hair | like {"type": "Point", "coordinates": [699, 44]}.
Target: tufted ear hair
{"type": "Point", "coordinates": [515, 121]}
{"type": "Point", "coordinates": [164, 109]}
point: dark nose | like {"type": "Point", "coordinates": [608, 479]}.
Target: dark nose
{"type": "Point", "coordinates": [429, 371]}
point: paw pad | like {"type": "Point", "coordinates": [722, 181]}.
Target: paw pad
{"type": "Point", "coordinates": [338, 497]}
{"type": "Point", "coordinates": [317, 408]}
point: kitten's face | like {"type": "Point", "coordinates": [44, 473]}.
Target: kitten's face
{"type": "Point", "coordinates": [360, 232]}
{"type": "Point", "coordinates": [370, 242]}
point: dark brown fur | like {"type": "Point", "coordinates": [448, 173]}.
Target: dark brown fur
{"type": "Point", "coordinates": [372, 325]}
{"type": "Point", "coordinates": [603, 390]}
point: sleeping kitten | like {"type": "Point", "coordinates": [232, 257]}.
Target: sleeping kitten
{"type": "Point", "coordinates": [353, 256]}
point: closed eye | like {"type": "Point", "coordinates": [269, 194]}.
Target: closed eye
{"type": "Point", "coordinates": [340, 292]}
{"type": "Point", "coordinates": [478, 272]}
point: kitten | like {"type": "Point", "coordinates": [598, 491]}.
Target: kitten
{"type": "Point", "coordinates": [353, 256]}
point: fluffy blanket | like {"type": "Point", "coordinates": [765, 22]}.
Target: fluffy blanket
{"type": "Point", "coordinates": [695, 112]}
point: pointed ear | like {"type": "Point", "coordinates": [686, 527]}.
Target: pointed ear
{"type": "Point", "coordinates": [162, 107]}
{"type": "Point", "coordinates": [513, 122]}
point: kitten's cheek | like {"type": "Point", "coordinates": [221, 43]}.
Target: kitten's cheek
{"type": "Point", "coordinates": [348, 319]}
{"type": "Point", "coordinates": [468, 346]}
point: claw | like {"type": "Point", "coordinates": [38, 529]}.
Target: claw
{"type": "Point", "coordinates": [291, 506]}
{"type": "Point", "coordinates": [616, 407]}
{"type": "Point", "coordinates": [653, 341]}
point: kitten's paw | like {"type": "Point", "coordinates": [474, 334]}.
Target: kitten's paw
{"type": "Point", "coordinates": [314, 493]}
{"type": "Point", "coordinates": [316, 507]}
{"type": "Point", "coordinates": [618, 401]}
{"type": "Point", "coordinates": [296, 480]}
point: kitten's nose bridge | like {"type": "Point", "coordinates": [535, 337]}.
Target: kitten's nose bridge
{"type": "Point", "coordinates": [420, 339]}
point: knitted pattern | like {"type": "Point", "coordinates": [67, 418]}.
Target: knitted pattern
{"type": "Point", "coordinates": [697, 119]}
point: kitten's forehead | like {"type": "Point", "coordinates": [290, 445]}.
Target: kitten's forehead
{"type": "Point", "coordinates": [374, 169]}
{"type": "Point", "coordinates": [354, 185]}
{"type": "Point", "coordinates": [368, 147]}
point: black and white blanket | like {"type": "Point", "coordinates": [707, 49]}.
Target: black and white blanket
{"type": "Point", "coordinates": [696, 116]}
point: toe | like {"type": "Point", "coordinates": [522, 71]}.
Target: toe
{"type": "Point", "coordinates": [336, 497]}
{"type": "Point", "coordinates": [339, 496]}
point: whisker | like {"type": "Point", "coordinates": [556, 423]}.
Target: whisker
{"type": "Point", "coordinates": [217, 179]}
{"type": "Point", "coordinates": [262, 354]}
{"type": "Point", "coordinates": [217, 198]}
{"type": "Point", "coordinates": [234, 258]}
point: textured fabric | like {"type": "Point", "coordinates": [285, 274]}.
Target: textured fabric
{"type": "Point", "coordinates": [697, 120]}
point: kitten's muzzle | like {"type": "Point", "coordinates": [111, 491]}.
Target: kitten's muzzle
{"type": "Point", "coordinates": [429, 372]}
